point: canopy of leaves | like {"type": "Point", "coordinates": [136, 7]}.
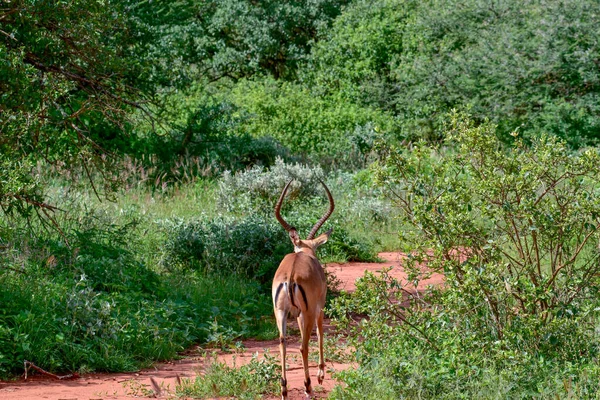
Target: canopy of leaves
{"type": "Point", "coordinates": [233, 38]}
{"type": "Point", "coordinates": [68, 81]}
{"type": "Point", "coordinates": [525, 65]}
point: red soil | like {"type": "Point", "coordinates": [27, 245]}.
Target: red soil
{"type": "Point", "coordinates": [138, 385]}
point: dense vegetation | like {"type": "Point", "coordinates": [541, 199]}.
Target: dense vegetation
{"type": "Point", "coordinates": [515, 232]}
{"type": "Point", "coordinates": [143, 145]}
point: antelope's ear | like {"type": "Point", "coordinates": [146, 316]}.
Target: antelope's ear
{"type": "Point", "coordinates": [294, 237]}
{"type": "Point", "coordinates": [322, 238]}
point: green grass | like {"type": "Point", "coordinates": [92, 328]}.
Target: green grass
{"type": "Point", "coordinates": [249, 381]}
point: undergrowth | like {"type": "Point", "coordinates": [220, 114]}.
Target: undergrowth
{"type": "Point", "coordinates": [439, 354]}
{"type": "Point", "coordinates": [515, 232]}
{"type": "Point", "coordinates": [249, 381]}
{"type": "Point", "coordinates": [138, 279]}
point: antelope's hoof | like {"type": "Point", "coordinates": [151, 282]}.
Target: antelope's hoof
{"type": "Point", "coordinates": [321, 375]}
{"type": "Point", "coordinates": [284, 391]}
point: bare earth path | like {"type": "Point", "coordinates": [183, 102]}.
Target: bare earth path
{"type": "Point", "coordinates": [122, 386]}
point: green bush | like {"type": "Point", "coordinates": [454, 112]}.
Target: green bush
{"type": "Point", "coordinates": [359, 207]}
{"type": "Point", "coordinates": [229, 38]}
{"type": "Point", "coordinates": [515, 232]}
{"type": "Point", "coordinates": [310, 124]}
{"type": "Point", "coordinates": [516, 228]}
{"type": "Point", "coordinates": [205, 137]}
{"type": "Point", "coordinates": [258, 189]}
{"type": "Point", "coordinates": [355, 59]}
{"type": "Point", "coordinates": [105, 261]}
{"type": "Point", "coordinates": [253, 243]}
{"type": "Point", "coordinates": [428, 351]}
{"type": "Point", "coordinates": [251, 246]}
{"type": "Point", "coordinates": [62, 325]}
{"type": "Point", "coordinates": [101, 304]}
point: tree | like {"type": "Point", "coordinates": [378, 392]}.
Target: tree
{"type": "Point", "coordinates": [233, 38]}
{"type": "Point", "coordinates": [524, 65]}
{"type": "Point", "coordinates": [68, 81]}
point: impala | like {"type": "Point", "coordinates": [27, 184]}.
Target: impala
{"type": "Point", "coordinates": [299, 289]}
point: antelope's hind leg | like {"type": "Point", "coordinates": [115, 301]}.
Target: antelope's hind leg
{"type": "Point", "coordinates": [306, 325]}
{"type": "Point", "coordinates": [281, 317]}
{"type": "Point", "coordinates": [320, 338]}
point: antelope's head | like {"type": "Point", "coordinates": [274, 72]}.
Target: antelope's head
{"type": "Point", "coordinates": [310, 244]}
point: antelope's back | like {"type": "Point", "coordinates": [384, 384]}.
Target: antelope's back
{"type": "Point", "coordinates": [304, 270]}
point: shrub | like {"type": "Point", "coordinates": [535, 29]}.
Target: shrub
{"type": "Point", "coordinates": [106, 262]}
{"type": "Point", "coordinates": [229, 38]}
{"type": "Point", "coordinates": [205, 138]}
{"type": "Point", "coordinates": [516, 228]}
{"type": "Point", "coordinates": [524, 65]}
{"type": "Point", "coordinates": [307, 123]}
{"type": "Point", "coordinates": [447, 357]}
{"type": "Point", "coordinates": [63, 325]}
{"type": "Point", "coordinates": [515, 232]}
{"type": "Point", "coordinates": [101, 304]}
{"type": "Point", "coordinates": [428, 350]}
{"type": "Point", "coordinates": [250, 246]}
{"type": "Point", "coordinates": [258, 189]}
{"type": "Point", "coordinates": [255, 192]}
{"type": "Point", "coordinates": [93, 247]}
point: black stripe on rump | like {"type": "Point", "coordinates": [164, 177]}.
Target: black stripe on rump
{"type": "Point", "coordinates": [277, 292]}
{"type": "Point", "coordinates": [291, 290]}
{"type": "Point", "coordinates": [303, 295]}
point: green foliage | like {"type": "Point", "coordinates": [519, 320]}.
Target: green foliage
{"type": "Point", "coordinates": [441, 355]}
{"type": "Point", "coordinates": [321, 127]}
{"type": "Point", "coordinates": [63, 324]}
{"type": "Point", "coordinates": [232, 38]}
{"type": "Point", "coordinates": [224, 307]}
{"type": "Point", "coordinates": [206, 134]}
{"type": "Point", "coordinates": [104, 259]}
{"type": "Point", "coordinates": [322, 80]}
{"type": "Point", "coordinates": [19, 191]}
{"type": "Point", "coordinates": [515, 228]}
{"type": "Point", "coordinates": [524, 65]}
{"type": "Point", "coordinates": [68, 82]}
{"type": "Point", "coordinates": [258, 189]}
{"type": "Point", "coordinates": [102, 303]}
{"type": "Point", "coordinates": [249, 381]}
{"type": "Point", "coordinates": [250, 246]}
{"type": "Point", "coordinates": [515, 232]}
{"type": "Point", "coordinates": [354, 60]}
{"type": "Point", "coordinates": [255, 191]}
